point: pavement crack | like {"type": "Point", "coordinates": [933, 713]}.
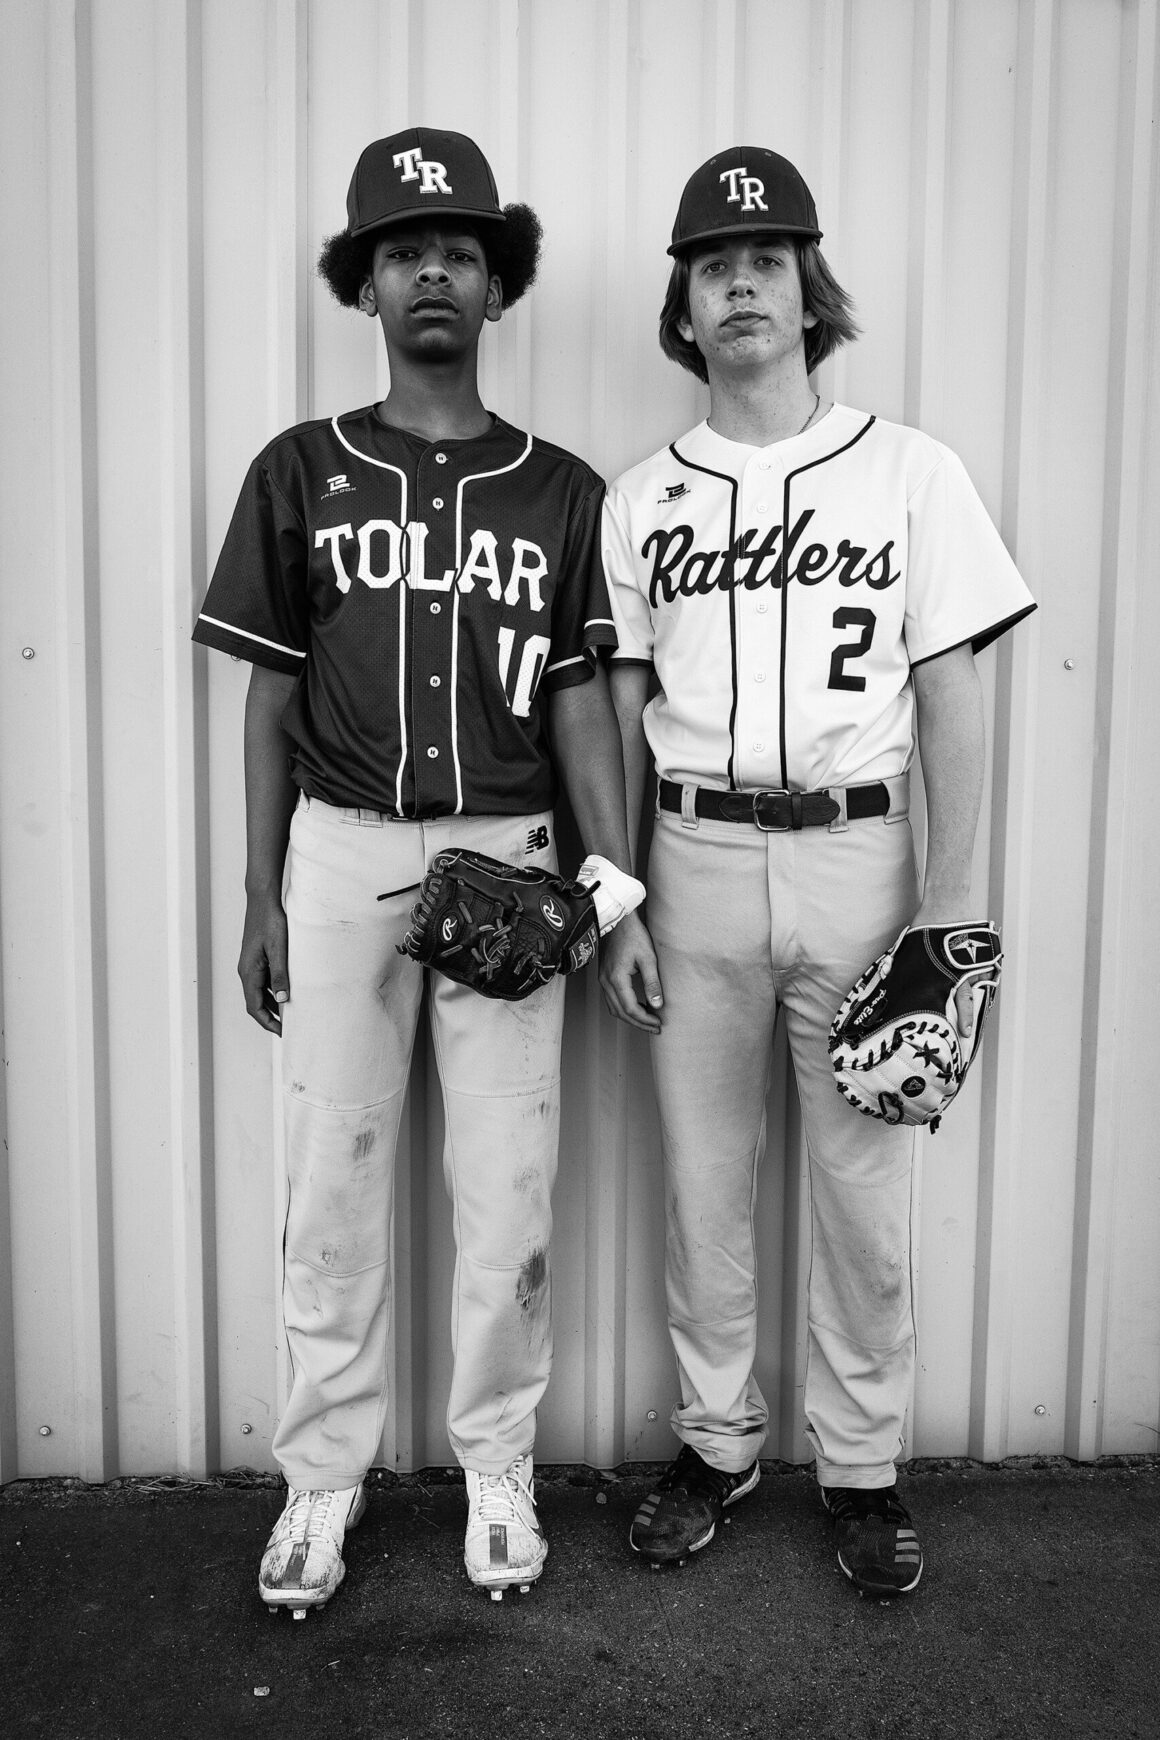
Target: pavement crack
{"type": "Point", "coordinates": [660, 1607]}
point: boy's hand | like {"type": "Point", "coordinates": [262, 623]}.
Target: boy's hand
{"type": "Point", "coordinates": [624, 953]}
{"type": "Point", "coordinates": [262, 962]}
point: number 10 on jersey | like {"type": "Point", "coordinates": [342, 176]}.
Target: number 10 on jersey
{"type": "Point", "coordinates": [532, 660]}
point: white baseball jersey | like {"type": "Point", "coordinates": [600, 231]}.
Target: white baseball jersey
{"type": "Point", "coordinates": [783, 594]}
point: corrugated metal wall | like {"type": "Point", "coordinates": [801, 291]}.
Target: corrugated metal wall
{"type": "Point", "coordinates": [986, 172]}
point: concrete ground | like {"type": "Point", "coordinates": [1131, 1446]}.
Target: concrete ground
{"type": "Point", "coordinates": [131, 1610]}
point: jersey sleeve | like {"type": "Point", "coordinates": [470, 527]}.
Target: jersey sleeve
{"type": "Point", "coordinates": [257, 604]}
{"type": "Point", "coordinates": [631, 615]}
{"type": "Point", "coordinates": [961, 584]}
{"type": "Point", "coordinates": [581, 617]}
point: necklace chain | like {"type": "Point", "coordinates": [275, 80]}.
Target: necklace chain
{"type": "Point", "coordinates": [812, 415]}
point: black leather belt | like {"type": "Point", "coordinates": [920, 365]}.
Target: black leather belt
{"type": "Point", "coordinates": [779, 812]}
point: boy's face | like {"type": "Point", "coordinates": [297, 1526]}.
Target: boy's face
{"type": "Point", "coordinates": [431, 290]}
{"type": "Point", "coordinates": [745, 303]}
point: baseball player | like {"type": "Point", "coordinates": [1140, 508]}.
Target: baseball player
{"type": "Point", "coordinates": [418, 587]}
{"type": "Point", "coordinates": [809, 585]}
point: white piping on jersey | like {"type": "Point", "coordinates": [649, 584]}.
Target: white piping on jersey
{"type": "Point", "coordinates": [561, 663]}
{"type": "Point", "coordinates": [475, 477]}
{"type": "Point", "coordinates": [385, 465]}
{"type": "Point", "coordinates": [402, 591]}
{"type": "Point", "coordinates": [244, 634]}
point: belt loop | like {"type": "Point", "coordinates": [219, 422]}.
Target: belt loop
{"type": "Point", "coordinates": [689, 816]}
{"type": "Point", "coordinates": [899, 789]}
{"type": "Point", "coordinates": [841, 822]}
{"type": "Point", "coordinates": [369, 818]}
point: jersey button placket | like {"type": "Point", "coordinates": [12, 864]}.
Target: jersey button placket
{"type": "Point", "coordinates": [757, 651]}
{"type": "Point", "coordinates": [434, 621]}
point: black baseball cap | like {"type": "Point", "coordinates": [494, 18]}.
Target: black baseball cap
{"type": "Point", "coordinates": [742, 190]}
{"type": "Point", "coordinates": [421, 173]}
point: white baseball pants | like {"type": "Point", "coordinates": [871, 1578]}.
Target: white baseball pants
{"type": "Point", "coordinates": [348, 1031]}
{"type": "Point", "coordinates": [745, 922]}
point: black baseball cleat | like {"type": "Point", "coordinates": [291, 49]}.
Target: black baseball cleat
{"type": "Point", "coordinates": [681, 1514]}
{"type": "Point", "coordinates": [878, 1547]}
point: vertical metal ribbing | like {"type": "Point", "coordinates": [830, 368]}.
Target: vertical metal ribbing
{"type": "Point", "coordinates": [185, 748]}
{"type": "Point", "coordinates": [923, 390]}
{"type": "Point", "coordinates": [76, 578]}
{"type": "Point", "coordinates": [287, 388]}
{"type": "Point", "coordinates": [926, 337]}
{"type": "Point", "coordinates": [1102, 1128]}
{"type": "Point", "coordinates": [1004, 1059]}
{"type": "Point", "coordinates": [610, 1046]}
{"type": "Point", "coordinates": [830, 24]}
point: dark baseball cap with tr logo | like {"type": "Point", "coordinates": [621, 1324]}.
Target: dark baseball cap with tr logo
{"type": "Point", "coordinates": [741, 191]}
{"type": "Point", "coordinates": [421, 173]}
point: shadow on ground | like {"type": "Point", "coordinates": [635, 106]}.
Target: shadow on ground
{"type": "Point", "coordinates": [131, 1611]}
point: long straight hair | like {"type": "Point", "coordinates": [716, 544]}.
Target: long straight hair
{"type": "Point", "coordinates": [822, 296]}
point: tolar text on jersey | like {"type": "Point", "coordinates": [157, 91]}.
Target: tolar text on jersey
{"type": "Point", "coordinates": [388, 552]}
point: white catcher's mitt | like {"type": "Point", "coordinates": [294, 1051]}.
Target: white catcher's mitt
{"type": "Point", "coordinates": [895, 1043]}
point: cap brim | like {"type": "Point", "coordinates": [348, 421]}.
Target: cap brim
{"type": "Point", "coordinates": [432, 214]}
{"type": "Point", "coordinates": [687, 242]}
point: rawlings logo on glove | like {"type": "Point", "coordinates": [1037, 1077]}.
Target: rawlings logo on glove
{"type": "Point", "coordinates": [895, 1043]}
{"type": "Point", "coordinates": [502, 929]}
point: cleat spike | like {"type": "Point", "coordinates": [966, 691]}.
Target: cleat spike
{"type": "Point", "coordinates": [298, 1613]}
{"type": "Point", "coordinates": [524, 1587]}
{"type": "Point", "coordinates": [497, 1594]}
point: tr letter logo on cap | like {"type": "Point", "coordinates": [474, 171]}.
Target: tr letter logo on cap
{"type": "Point", "coordinates": [431, 175]}
{"type": "Point", "coordinates": [751, 188]}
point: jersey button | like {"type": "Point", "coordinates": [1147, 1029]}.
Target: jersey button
{"type": "Point", "coordinates": [438, 502]}
{"type": "Point", "coordinates": [759, 676]}
{"type": "Point", "coordinates": [436, 608]}
{"type": "Point", "coordinates": [432, 754]}
{"type": "Point", "coordinates": [441, 459]}
{"type": "Point", "coordinates": [435, 682]}
{"type": "Point", "coordinates": [761, 609]}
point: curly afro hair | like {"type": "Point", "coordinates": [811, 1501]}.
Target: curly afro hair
{"type": "Point", "coordinates": [512, 250]}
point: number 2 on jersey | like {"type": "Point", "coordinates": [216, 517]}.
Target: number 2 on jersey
{"type": "Point", "coordinates": [851, 616]}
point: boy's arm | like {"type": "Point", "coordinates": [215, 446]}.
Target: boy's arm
{"type": "Point", "coordinates": [270, 798]}
{"type": "Point", "coordinates": [586, 747]}
{"type": "Point", "coordinates": [951, 743]}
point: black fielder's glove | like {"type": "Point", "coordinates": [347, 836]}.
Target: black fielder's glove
{"type": "Point", "coordinates": [895, 1043]}
{"type": "Point", "coordinates": [503, 929]}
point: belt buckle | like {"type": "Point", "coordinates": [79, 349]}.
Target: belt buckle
{"type": "Point", "coordinates": [774, 827]}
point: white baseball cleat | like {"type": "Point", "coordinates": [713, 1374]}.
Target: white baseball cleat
{"type": "Point", "coordinates": [302, 1565]}
{"type": "Point", "coordinates": [504, 1545]}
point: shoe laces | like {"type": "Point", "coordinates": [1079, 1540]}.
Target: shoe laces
{"type": "Point", "coordinates": [691, 1472]}
{"type": "Point", "coordinates": [504, 1498]}
{"type": "Point", "coordinates": [311, 1514]}
{"type": "Point", "coordinates": [848, 1502]}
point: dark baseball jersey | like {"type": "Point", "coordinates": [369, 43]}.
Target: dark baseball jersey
{"type": "Point", "coordinates": [784, 593]}
{"type": "Point", "coordinates": [427, 594]}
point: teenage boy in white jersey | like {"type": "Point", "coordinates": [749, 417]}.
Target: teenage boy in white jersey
{"type": "Point", "coordinates": [810, 586]}
{"type": "Point", "coordinates": [419, 589]}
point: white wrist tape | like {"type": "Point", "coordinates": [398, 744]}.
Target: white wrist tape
{"type": "Point", "coordinates": [616, 895]}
